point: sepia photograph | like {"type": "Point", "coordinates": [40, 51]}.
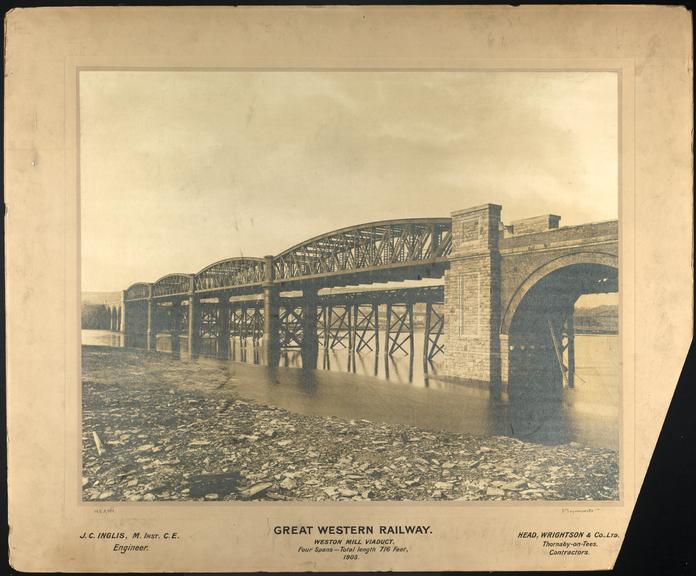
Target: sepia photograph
{"type": "Point", "coordinates": [354, 285]}
{"type": "Point", "coordinates": [345, 288]}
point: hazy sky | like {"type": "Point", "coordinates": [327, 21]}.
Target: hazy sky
{"type": "Point", "coordinates": [180, 169]}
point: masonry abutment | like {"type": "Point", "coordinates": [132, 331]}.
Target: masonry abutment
{"type": "Point", "coordinates": [472, 297]}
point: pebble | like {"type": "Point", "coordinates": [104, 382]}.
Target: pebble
{"type": "Point", "coordinates": [255, 490]}
{"type": "Point", "coordinates": [288, 484]}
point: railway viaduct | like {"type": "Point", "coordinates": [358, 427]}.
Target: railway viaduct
{"type": "Point", "coordinates": [502, 312]}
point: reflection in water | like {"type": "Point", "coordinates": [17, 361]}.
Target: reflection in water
{"type": "Point", "coordinates": [535, 393]}
{"type": "Point", "coordinates": [399, 367]}
{"type": "Point", "coordinates": [103, 338]}
{"type": "Point", "coordinates": [538, 418]}
{"type": "Point", "coordinates": [398, 390]}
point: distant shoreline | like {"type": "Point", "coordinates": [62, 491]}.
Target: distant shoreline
{"type": "Point", "coordinates": [596, 333]}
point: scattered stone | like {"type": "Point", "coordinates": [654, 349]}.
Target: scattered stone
{"type": "Point", "coordinates": [256, 490]}
{"type": "Point", "coordinates": [518, 485]}
{"type": "Point", "coordinates": [288, 484]}
{"type": "Point", "coordinates": [98, 443]}
{"type": "Point", "coordinates": [532, 492]}
{"type": "Point", "coordinates": [171, 440]}
{"type": "Point", "coordinates": [202, 484]}
{"type": "Point", "coordinates": [276, 496]}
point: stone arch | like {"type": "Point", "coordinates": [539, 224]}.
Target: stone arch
{"type": "Point", "coordinates": [575, 258]}
{"type": "Point", "coordinates": [538, 329]}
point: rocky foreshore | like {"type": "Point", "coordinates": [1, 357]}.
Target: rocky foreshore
{"type": "Point", "coordinates": [148, 436]}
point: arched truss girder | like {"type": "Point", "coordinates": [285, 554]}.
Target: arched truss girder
{"type": "Point", "coordinates": [385, 244]}
{"type": "Point", "coordinates": [137, 291]}
{"type": "Point", "coordinates": [230, 273]}
{"type": "Point", "coordinates": [367, 246]}
{"type": "Point", "coordinates": [599, 258]}
{"type": "Point", "coordinates": [172, 284]}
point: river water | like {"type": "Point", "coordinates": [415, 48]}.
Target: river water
{"type": "Point", "coordinates": [400, 391]}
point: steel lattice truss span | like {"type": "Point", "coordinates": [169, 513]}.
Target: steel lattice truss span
{"type": "Point", "coordinates": [233, 272]}
{"type": "Point", "coordinates": [172, 284]}
{"type": "Point", "coordinates": [375, 252]}
{"type": "Point", "coordinates": [138, 291]}
{"type": "Point", "coordinates": [374, 246]}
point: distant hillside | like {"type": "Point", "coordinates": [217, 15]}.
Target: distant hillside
{"type": "Point", "coordinates": [101, 297]}
{"type": "Point", "coordinates": [598, 320]}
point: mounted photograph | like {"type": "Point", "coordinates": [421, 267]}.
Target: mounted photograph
{"type": "Point", "coordinates": [349, 286]}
